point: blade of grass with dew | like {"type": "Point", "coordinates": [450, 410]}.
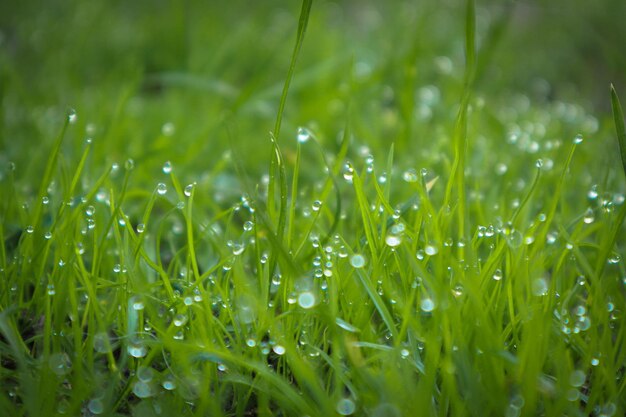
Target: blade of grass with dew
{"type": "Point", "coordinates": [276, 161]}
{"type": "Point", "coordinates": [620, 131]}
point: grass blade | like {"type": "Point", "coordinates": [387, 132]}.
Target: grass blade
{"type": "Point", "coordinates": [302, 24]}
{"type": "Point", "coordinates": [620, 129]}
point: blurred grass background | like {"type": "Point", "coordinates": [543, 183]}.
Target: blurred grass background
{"type": "Point", "coordinates": [187, 79]}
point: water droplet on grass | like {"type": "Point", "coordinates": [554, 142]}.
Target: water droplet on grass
{"type": "Point", "coordinates": [431, 250]}
{"type": "Point", "coordinates": [427, 305]}
{"type": "Point", "coordinates": [394, 236]}
{"type": "Point", "coordinates": [60, 363]}
{"type": "Point", "coordinates": [168, 383]}
{"type": "Point", "coordinates": [497, 275]}
{"type": "Point", "coordinates": [348, 172]}
{"type": "Point", "coordinates": [303, 134]}
{"type": "Point", "coordinates": [129, 164]}
{"type": "Point", "coordinates": [539, 163]}
{"type": "Point", "coordinates": [410, 175]}
{"type": "Point", "coordinates": [278, 349]}
{"type": "Point", "coordinates": [95, 406]}
{"type": "Point", "coordinates": [141, 228]}
{"type": "Point", "coordinates": [345, 407]}
{"type": "Point", "coordinates": [578, 139]}
{"type": "Point", "coordinates": [161, 188]}
{"type": "Point", "coordinates": [167, 167]}
{"type": "Point", "coordinates": [589, 216]}
{"type": "Point", "coordinates": [142, 389]}
{"type": "Point", "coordinates": [72, 117]}
{"type": "Point", "coordinates": [577, 378]}
{"type": "Point", "coordinates": [168, 129]}
{"type": "Point", "coordinates": [317, 205]}
{"type": "Point", "coordinates": [90, 210]}
{"type": "Point", "coordinates": [145, 374]}
{"type": "Point", "coordinates": [30, 229]}
{"type": "Point", "coordinates": [180, 320]}
{"type": "Point", "coordinates": [189, 189]}
{"type": "Point", "coordinates": [614, 258]}
{"type": "Point", "coordinates": [136, 348]}
{"type": "Point", "coordinates": [357, 261]}
{"type": "Point", "coordinates": [51, 290]}
{"type": "Point", "coordinates": [306, 299]}
{"type": "Point", "coordinates": [101, 343]}
{"type": "Point", "coordinates": [248, 226]}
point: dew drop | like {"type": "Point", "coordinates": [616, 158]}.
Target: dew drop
{"type": "Point", "coordinates": [72, 117]}
{"type": "Point", "coordinates": [145, 374]}
{"type": "Point", "coordinates": [142, 389]}
{"type": "Point", "coordinates": [161, 188]}
{"type": "Point", "coordinates": [393, 240]}
{"type": "Point", "coordinates": [168, 383]}
{"type": "Point", "coordinates": [578, 139]}
{"type": "Point", "coordinates": [577, 378]}
{"type": "Point", "coordinates": [539, 163]}
{"type": "Point", "coordinates": [317, 204]}
{"type": "Point", "coordinates": [101, 343]}
{"type": "Point", "coordinates": [497, 275]}
{"type": "Point", "coordinates": [410, 175]}
{"type": "Point", "coordinates": [348, 172]}
{"type": "Point", "coordinates": [279, 349]}
{"type": "Point", "coordinates": [303, 134]}
{"type": "Point", "coordinates": [431, 250]}
{"type": "Point", "coordinates": [248, 226]}
{"type": "Point", "coordinates": [95, 406]}
{"type": "Point", "coordinates": [136, 348]}
{"type": "Point", "coordinates": [51, 290]}
{"type": "Point", "coordinates": [129, 164]}
{"type": "Point", "coordinates": [167, 167]}
{"type": "Point", "coordinates": [345, 407]}
{"type": "Point", "coordinates": [357, 261]}
{"type": "Point", "coordinates": [168, 129]}
{"type": "Point", "coordinates": [141, 228]}
{"type": "Point", "coordinates": [60, 363]}
{"type": "Point", "coordinates": [589, 216]}
{"type": "Point", "coordinates": [427, 305]}
{"type": "Point", "coordinates": [47, 235]}
{"type": "Point", "coordinates": [614, 258]}
{"type": "Point", "coordinates": [30, 229]}
{"type": "Point", "coordinates": [189, 189]}
{"type": "Point", "coordinates": [306, 299]}
{"type": "Point", "coordinates": [180, 320]}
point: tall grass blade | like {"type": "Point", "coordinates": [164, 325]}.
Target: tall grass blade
{"type": "Point", "coordinates": [620, 129]}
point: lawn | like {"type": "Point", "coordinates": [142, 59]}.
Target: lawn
{"type": "Point", "coordinates": [312, 208]}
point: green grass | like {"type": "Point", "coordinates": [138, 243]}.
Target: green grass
{"type": "Point", "coordinates": [313, 212]}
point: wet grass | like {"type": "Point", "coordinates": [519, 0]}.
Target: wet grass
{"type": "Point", "coordinates": [403, 241]}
